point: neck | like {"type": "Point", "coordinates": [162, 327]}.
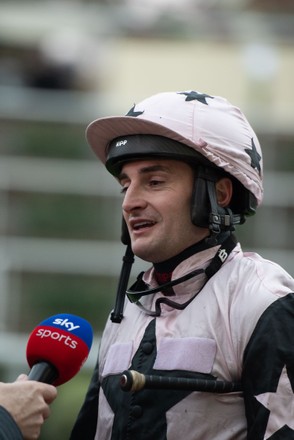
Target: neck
{"type": "Point", "coordinates": [164, 269]}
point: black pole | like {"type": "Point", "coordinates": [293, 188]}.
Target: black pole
{"type": "Point", "coordinates": [134, 381]}
{"type": "Point", "coordinates": [128, 260]}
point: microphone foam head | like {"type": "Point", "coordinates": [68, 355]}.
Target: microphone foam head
{"type": "Point", "coordinates": [62, 340]}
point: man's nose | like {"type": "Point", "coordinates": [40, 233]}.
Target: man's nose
{"type": "Point", "coordinates": [133, 199]}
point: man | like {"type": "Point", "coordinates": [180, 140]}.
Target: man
{"type": "Point", "coordinates": [24, 406]}
{"type": "Point", "coordinates": [190, 167]}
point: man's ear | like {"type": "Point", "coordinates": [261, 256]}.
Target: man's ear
{"type": "Point", "coordinates": [224, 191]}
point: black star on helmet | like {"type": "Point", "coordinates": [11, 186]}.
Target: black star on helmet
{"type": "Point", "coordinates": [191, 96]}
{"type": "Point", "coordinates": [254, 155]}
{"type": "Point", "coordinates": [132, 112]}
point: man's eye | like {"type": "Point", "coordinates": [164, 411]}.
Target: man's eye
{"type": "Point", "coordinates": [155, 182]}
{"type": "Point", "coordinates": [123, 190]}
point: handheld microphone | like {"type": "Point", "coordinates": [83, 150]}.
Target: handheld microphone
{"type": "Point", "coordinates": [58, 347]}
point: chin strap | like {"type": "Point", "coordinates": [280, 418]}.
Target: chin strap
{"type": "Point", "coordinates": [128, 260]}
{"type": "Point", "coordinates": [135, 293]}
{"type": "Point", "coordinates": [205, 210]}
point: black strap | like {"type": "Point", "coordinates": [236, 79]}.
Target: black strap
{"type": "Point", "coordinates": [220, 219]}
{"type": "Point", "coordinates": [221, 256]}
{"type": "Point", "coordinates": [128, 260]}
{"type": "Point", "coordinates": [215, 264]}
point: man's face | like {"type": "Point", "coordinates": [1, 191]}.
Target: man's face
{"type": "Point", "coordinates": [156, 208]}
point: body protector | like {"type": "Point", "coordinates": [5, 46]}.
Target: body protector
{"type": "Point", "coordinates": [207, 132]}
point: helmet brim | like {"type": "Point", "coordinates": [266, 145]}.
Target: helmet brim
{"type": "Point", "coordinates": [102, 131]}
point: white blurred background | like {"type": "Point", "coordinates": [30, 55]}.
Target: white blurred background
{"type": "Point", "coordinates": [65, 63]}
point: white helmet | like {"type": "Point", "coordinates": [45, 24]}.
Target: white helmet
{"type": "Point", "coordinates": [215, 134]}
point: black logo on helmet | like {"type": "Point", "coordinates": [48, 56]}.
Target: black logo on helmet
{"type": "Point", "coordinates": [254, 156]}
{"type": "Point", "coordinates": [191, 96]}
{"type": "Point", "coordinates": [132, 112]}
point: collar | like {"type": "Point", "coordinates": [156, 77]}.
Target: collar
{"type": "Point", "coordinates": [207, 264]}
{"type": "Point", "coordinates": [200, 260]}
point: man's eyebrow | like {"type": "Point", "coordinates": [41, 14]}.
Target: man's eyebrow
{"type": "Point", "coordinates": [146, 170]}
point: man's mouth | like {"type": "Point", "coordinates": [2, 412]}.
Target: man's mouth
{"type": "Point", "coordinates": [136, 226]}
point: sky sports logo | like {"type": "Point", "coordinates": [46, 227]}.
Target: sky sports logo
{"type": "Point", "coordinates": [66, 323]}
{"type": "Point", "coordinates": [56, 336]}
{"type": "Point", "coordinates": [62, 336]}
{"type": "Point", "coordinates": [71, 330]}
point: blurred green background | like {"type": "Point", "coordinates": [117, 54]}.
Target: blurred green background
{"type": "Point", "coordinates": [65, 63]}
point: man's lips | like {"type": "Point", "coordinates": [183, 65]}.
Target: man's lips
{"type": "Point", "coordinates": [139, 224]}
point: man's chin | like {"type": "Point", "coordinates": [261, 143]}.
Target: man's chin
{"type": "Point", "coordinates": [143, 252]}
{"type": "Point", "coordinates": [143, 256]}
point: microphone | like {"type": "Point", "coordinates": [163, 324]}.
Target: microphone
{"type": "Point", "coordinates": [58, 347]}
